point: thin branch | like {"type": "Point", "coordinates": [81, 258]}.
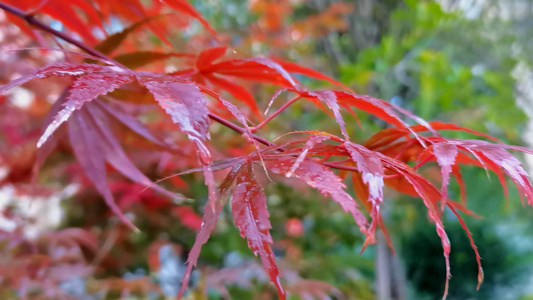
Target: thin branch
{"type": "Point", "coordinates": [255, 128]}
{"type": "Point", "coordinates": [418, 165]}
{"type": "Point", "coordinates": [265, 142]}
{"type": "Point", "coordinates": [35, 22]}
{"type": "Point", "coordinates": [241, 130]}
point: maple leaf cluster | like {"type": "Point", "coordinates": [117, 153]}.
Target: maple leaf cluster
{"type": "Point", "coordinates": [111, 90]}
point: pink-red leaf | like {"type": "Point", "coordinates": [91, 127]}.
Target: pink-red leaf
{"type": "Point", "coordinates": [381, 109]}
{"type": "Point", "coordinates": [295, 68]}
{"type": "Point", "coordinates": [186, 106]}
{"type": "Point", "coordinates": [85, 89]}
{"type": "Point", "coordinates": [258, 69]}
{"type": "Point", "coordinates": [497, 155]}
{"type": "Point", "coordinates": [83, 135]}
{"type": "Point", "coordinates": [274, 96]}
{"type": "Point", "coordinates": [324, 180]}
{"type": "Point", "coordinates": [445, 154]}
{"type": "Point", "coordinates": [480, 274]}
{"type": "Point", "coordinates": [389, 135]}
{"type": "Point", "coordinates": [310, 143]}
{"type": "Point", "coordinates": [46, 149]}
{"type": "Point", "coordinates": [57, 69]}
{"type": "Point", "coordinates": [372, 106]}
{"type": "Point", "coordinates": [249, 210]}
{"type": "Point", "coordinates": [115, 155]}
{"type": "Point", "coordinates": [330, 99]}
{"type": "Point", "coordinates": [371, 168]}
{"type": "Point", "coordinates": [437, 125]}
{"type": "Point", "coordinates": [209, 220]}
{"type": "Point", "coordinates": [234, 110]}
{"type": "Point", "coordinates": [208, 56]}
{"type": "Point", "coordinates": [130, 122]}
{"type": "Point", "coordinates": [236, 91]}
{"type": "Point", "coordinates": [267, 62]}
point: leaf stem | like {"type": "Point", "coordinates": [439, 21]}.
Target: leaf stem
{"type": "Point", "coordinates": [241, 130]}
{"type": "Point", "coordinates": [277, 112]}
{"type": "Point", "coordinates": [418, 165]}
{"type": "Point", "coordinates": [265, 142]}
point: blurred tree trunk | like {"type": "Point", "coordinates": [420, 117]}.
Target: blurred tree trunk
{"type": "Point", "coordinates": [390, 276]}
{"type": "Point", "coordinates": [367, 23]}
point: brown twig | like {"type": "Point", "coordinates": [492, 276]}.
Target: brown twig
{"type": "Point", "coordinates": [255, 128]}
